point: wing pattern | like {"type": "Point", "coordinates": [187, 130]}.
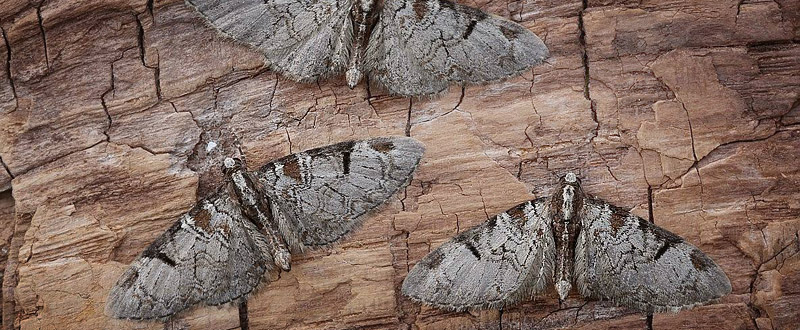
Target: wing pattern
{"type": "Point", "coordinates": [211, 255]}
{"type": "Point", "coordinates": [497, 264]}
{"type": "Point", "coordinates": [628, 260]}
{"type": "Point", "coordinates": [324, 193]}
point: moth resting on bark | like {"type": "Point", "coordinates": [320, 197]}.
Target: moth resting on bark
{"type": "Point", "coordinates": [220, 250]}
{"type": "Point", "coordinates": [410, 47]}
{"type": "Point", "coordinates": [563, 240]}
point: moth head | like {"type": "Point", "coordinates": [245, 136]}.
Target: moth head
{"type": "Point", "coordinates": [231, 164]}
{"type": "Point", "coordinates": [571, 179]}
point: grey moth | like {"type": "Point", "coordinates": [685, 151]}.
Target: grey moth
{"type": "Point", "coordinates": [565, 240]}
{"type": "Point", "coordinates": [410, 47]}
{"type": "Point", "coordinates": [220, 250]}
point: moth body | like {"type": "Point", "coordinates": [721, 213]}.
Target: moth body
{"type": "Point", "coordinates": [566, 228]}
{"type": "Point", "coordinates": [361, 14]}
{"type": "Point", "coordinates": [256, 207]}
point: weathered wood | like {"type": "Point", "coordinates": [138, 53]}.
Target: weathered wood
{"type": "Point", "coordinates": [115, 115]}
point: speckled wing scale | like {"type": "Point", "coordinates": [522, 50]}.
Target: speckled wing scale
{"type": "Point", "coordinates": [419, 47]}
{"type": "Point", "coordinates": [506, 259]}
{"type": "Point", "coordinates": [303, 39]}
{"type": "Point", "coordinates": [411, 47]}
{"type": "Point", "coordinates": [568, 238]}
{"type": "Point", "coordinates": [220, 250]}
{"type": "Point", "coordinates": [325, 193]}
{"type": "Point", "coordinates": [211, 255]}
{"type": "Point", "coordinates": [628, 260]}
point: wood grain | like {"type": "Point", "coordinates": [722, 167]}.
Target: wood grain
{"type": "Point", "coordinates": [115, 116]}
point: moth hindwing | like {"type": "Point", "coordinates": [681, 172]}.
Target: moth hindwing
{"type": "Point", "coordinates": [220, 250]}
{"type": "Point", "coordinates": [566, 239]}
{"type": "Point", "coordinates": [411, 47]}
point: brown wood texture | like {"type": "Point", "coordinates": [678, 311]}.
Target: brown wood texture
{"type": "Point", "coordinates": [684, 110]}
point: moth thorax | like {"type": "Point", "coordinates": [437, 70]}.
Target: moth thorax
{"type": "Point", "coordinates": [243, 187]}
{"type": "Point", "coordinates": [567, 202]}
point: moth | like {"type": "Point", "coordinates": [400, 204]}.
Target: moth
{"type": "Point", "coordinates": [563, 240]}
{"type": "Point", "coordinates": [219, 250]}
{"type": "Point", "coordinates": [410, 47]}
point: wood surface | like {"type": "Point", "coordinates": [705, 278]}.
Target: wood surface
{"type": "Point", "coordinates": [686, 111]}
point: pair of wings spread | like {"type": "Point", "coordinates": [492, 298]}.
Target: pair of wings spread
{"type": "Point", "coordinates": [214, 254]}
{"type": "Point", "coordinates": [417, 47]}
{"type": "Point", "coordinates": [618, 257]}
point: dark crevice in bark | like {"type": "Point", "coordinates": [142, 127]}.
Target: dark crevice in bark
{"type": "Point", "coordinates": [289, 140]}
{"type": "Point", "coordinates": [44, 37]}
{"type": "Point", "coordinates": [45, 163]}
{"type": "Point", "coordinates": [244, 322]}
{"type": "Point", "coordinates": [585, 59]}
{"type": "Point", "coordinates": [500, 320]}
{"type": "Point", "coordinates": [739, 8]}
{"type": "Point", "coordinates": [8, 170]}
{"type": "Point", "coordinates": [650, 204]}
{"type": "Point", "coordinates": [143, 53]}
{"type": "Point", "coordinates": [103, 97]}
{"type": "Point", "coordinates": [696, 163]}
{"type": "Point", "coordinates": [140, 39]}
{"type": "Point", "coordinates": [460, 99]}
{"type": "Point", "coordinates": [691, 130]}
{"type": "Point", "coordinates": [408, 118]}
{"type": "Point", "coordinates": [108, 115]}
{"type": "Point", "coordinates": [157, 76]}
{"type": "Point", "coordinates": [767, 43]}
{"type": "Point", "coordinates": [8, 68]}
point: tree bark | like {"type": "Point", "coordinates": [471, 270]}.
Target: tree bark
{"type": "Point", "coordinates": [115, 116]}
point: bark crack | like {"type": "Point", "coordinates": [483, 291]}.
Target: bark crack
{"type": "Point", "coordinates": [696, 163]}
{"type": "Point", "coordinates": [143, 52]}
{"type": "Point", "coordinates": [44, 36]}
{"type": "Point", "coordinates": [8, 68]}
{"type": "Point", "coordinates": [6, 167]}
{"type": "Point", "coordinates": [244, 321]}
{"type": "Point", "coordinates": [460, 99]}
{"type": "Point", "coordinates": [585, 60]}
{"type": "Point", "coordinates": [110, 89]}
{"type": "Point", "coordinates": [408, 117]}
{"type": "Point", "coordinates": [650, 204]}
{"type": "Point", "coordinates": [691, 130]}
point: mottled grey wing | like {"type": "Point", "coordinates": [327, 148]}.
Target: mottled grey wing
{"type": "Point", "coordinates": [212, 255]}
{"type": "Point", "coordinates": [303, 39]}
{"type": "Point", "coordinates": [320, 195]}
{"type": "Point", "coordinates": [504, 260]}
{"type": "Point", "coordinates": [419, 47]}
{"type": "Point", "coordinates": [628, 260]}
